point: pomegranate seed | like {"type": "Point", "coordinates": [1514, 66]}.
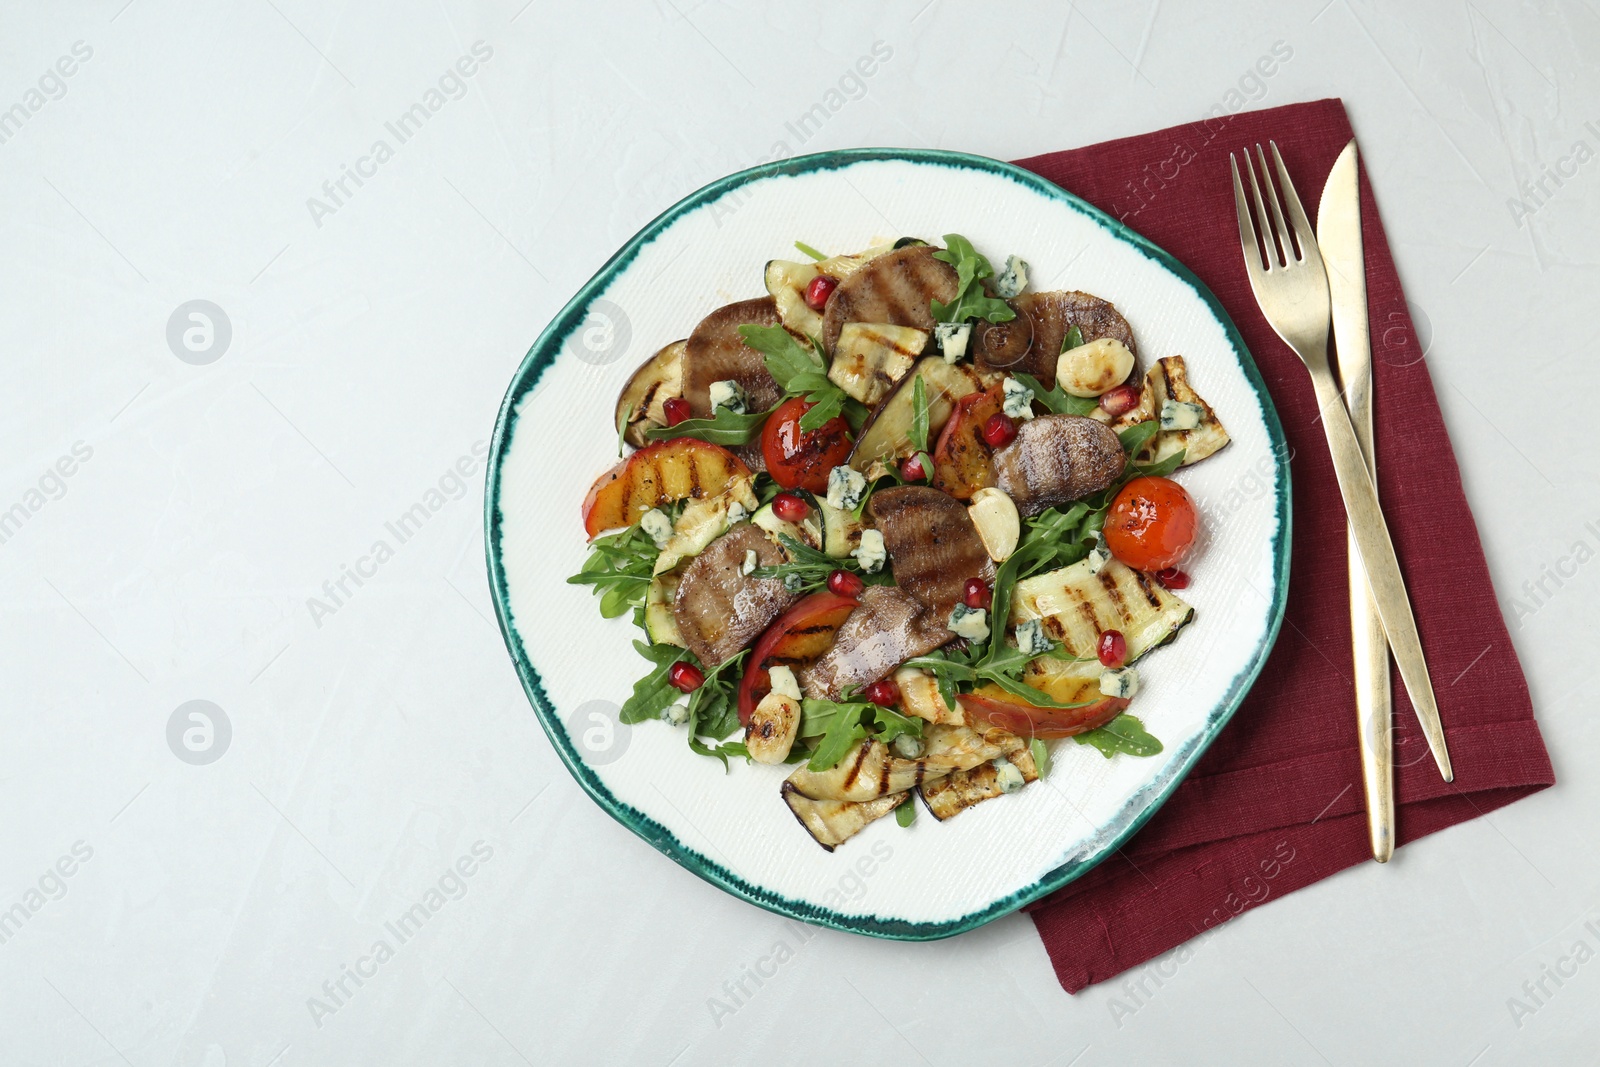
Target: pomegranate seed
{"type": "Point", "coordinates": [685, 676]}
{"type": "Point", "coordinates": [884, 693]}
{"type": "Point", "coordinates": [976, 594]}
{"type": "Point", "coordinates": [1000, 430]}
{"type": "Point", "coordinates": [1113, 649]}
{"type": "Point", "coordinates": [1173, 578]}
{"type": "Point", "coordinates": [677, 410]}
{"type": "Point", "coordinates": [843, 583]}
{"type": "Point", "coordinates": [911, 469]}
{"type": "Point", "coordinates": [790, 507]}
{"type": "Point", "coordinates": [817, 292]}
{"type": "Point", "coordinates": [1119, 401]}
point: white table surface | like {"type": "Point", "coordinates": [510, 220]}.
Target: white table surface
{"type": "Point", "coordinates": [374, 744]}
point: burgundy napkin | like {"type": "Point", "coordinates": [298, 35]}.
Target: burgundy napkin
{"type": "Point", "coordinates": [1276, 803]}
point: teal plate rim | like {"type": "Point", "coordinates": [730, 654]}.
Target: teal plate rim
{"type": "Point", "coordinates": [547, 348]}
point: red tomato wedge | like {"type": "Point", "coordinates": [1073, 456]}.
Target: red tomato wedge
{"type": "Point", "coordinates": [658, 474]}
{"type": "Point", "coordinates": [961, 464]}
{"type": "Point", "coordinates": [797, 637]}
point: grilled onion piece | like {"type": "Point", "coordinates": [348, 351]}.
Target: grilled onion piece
{"type": "Point", "coordinates": [1056, 459]}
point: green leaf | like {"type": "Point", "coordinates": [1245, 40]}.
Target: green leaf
{"type": "Point", "coordinates": [1122, 734]}
{"type": "Point", "coordinates": [919, 415]}
{"type": "Point", "coordinates": [829, 406]}
{"type": "Point", "coordinates": [906, 813]}
{"type": "Point", "coordinates": [972, 300]}
{"type": "Point", "coordinates": [808, 250]}
{"type": "Point", "coordinates": [1041, 756]}
{"type": "Point", "coordinates": [807, 569]}
{"type": "Point", "coordinates": [619, 568]}
{"type": "Point", "coordinates": [724, 428]}
{"type": "Point", "coordinates": [1135, 437]}
{"type": "Point", "coordinates": [714, 709]}
{"type": "Point", "coordinates": [1058, 400]}
{"type": "Point", "coordinates": [651, 694]}
{"type": "Point", "coordinates": [891, 724]}
{"type": "Point", "coordinates": [1161, 468]}
{"type": "Point", "coordinates": [1073, 338]}
{"type": "Point", "coordinates": [843, 733]}
{"type": "Point", "coordinates": [793, 366]}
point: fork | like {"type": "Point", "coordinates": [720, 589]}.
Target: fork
{"type": "Point", "coordinates": [1291, 286]}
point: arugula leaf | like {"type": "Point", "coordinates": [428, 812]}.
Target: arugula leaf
{"type": "Point", "coordinates": [1058, 400]}
{"type": "Point", "coordinates": [808, 570]}
{"type": "Point", "coordinates": [724, 427]}
{"type": "Point", "coordinates": [1122, 734]}
{"type": "Point", "coordinates": [891, 724]}
{"type": "Point", "coordinates": [619, 567]}
{"type": "Point", "coordinates": [972, 300]}
{"type": "Point", "coordinates": [1041, 756]}
{"type": "Point", "coordinates": [808, 250]}
{"type": "Point", "coordinates": [651, 694]}
{"type": "Point", "coordinates": [798, 372]}
{"type": "Point", "coordinates": [844, 731]}
{"type": "Point", "coordinates": [1135, 437]}
{"type": "Point", "coordinates": [1073, 338]}
{"type": "Point", "coordinates": [919, 415]}
{"type": "Point", "coordinates": [906, 813]}
{"type": "Point", "coordinates": [714, 710]}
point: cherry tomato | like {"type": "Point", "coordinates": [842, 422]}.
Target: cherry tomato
{"type": "Point", "coordinates": [1151, 524]}
{"type": "Point", "coordinates": [801, 459]}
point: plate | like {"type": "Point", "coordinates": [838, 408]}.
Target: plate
{"type": "Point", "coordinates": [554, 437]}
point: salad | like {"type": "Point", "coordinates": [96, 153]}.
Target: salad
{"type": "Point", "coordinates": [899, 525]}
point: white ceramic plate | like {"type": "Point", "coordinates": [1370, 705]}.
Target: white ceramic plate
{"type": "Point", "coordinates": [555, 436]}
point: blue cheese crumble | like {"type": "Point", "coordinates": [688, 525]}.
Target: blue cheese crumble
{"type": "Point", "coordinates": [952, 338]}
{"type": "Point", "coordinates": [784, 683]}
{"type": "Point", "coordinates": [1120, 683]}
{"type": "Point", "coordinates": [1018, 399]}
{"type": "Point", "coordinates": [971, 623]}
{"type": "Point", "coordinates": [657, 526]}
{"type": "Point", "coordinates": [736, 513]}
{"type": "Point", "coordinates": [908, 746]}
{"type": "Point", "coordinates": [1031, 638]}
{"type": "Point", "coordinates": [751, 560]}
{"type": "Point", "coordinates": [845, 488]}
{"type": "Point", "coordinates": [1007, 777]}
{"type": "Point", "coordinates": [1013, 279]}
{"type": "Point", "coordinates": [729, 396]}
{"type": "Point", "coordinates": [871, 552]}
{"type": "Point", "coordinates": [1181, 415]}
{"type": "Point", "coordinates": [676, 714]}
{"type": "Point", "coordinates": [1099, 555]}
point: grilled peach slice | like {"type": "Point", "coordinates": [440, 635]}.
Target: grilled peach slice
{"type": "Point", "coordinates": [989, 705]}
{"type": "Point", "coordinates": [662, 473]}
{"type": "Point", "coordinates": [961, 463]}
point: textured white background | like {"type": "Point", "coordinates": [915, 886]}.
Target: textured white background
{"type": "Point", "coordinates": [372, 747]}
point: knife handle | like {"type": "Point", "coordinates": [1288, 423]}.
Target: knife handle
{"type": "Point", "coordinates": [1374, 709]}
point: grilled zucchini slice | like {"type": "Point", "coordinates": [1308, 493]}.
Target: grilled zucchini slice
{"type": "Point", "coordinates": [1077, 606]}
{"type": "Point", "coordinates": [960, 790]}
{"type": "Point", "coordinates": [869, 770]}
{"type": "Point", "coordinates": [841, 530]}
{"type": "Point", "coordinates": [1169, 380]}
{"type": "Point", "coordinates": [870, 357]}
{"type": "Point", "coordinates": [660, 625]}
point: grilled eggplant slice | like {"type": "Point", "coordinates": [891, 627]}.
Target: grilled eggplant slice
{"type": "Point", "coordinates": [894, 288]}
{"type": "Point", "coordinates": [833, 822]}
{"type": "Point", "coordinates": [871, 357]}
{"type": "Point", "coordinates": [1050, 315]}
{"type": "Point", "coordinates": [643, 400]}
{"type": "Point", "coordinates": [886, 437]}
{"type": "Point", "coordinates": [719, 608]}
{"type": "Point", "coordinates": [1078, 605]}
{"type": "Point", "coordinates": [960, 790]}
{"type": "Point", "coordinates": [932, 542]}
{"type": "Point", "coordinates": [715, 352]}
{"type": "Point", "coordinates": [1056, 459]}
{"type": "Point", "coordinates": [869, 770]}
{"type": "Point", "coordinates": [1169, 380]}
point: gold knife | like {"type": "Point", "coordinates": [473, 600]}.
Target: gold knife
{"type": "Point", "coordinates": [1339, 237]}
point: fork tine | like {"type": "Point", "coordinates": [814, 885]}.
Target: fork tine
{"type": "Point", "coordinates": [1303, 233]}
{"type": "Point", "coordinates": [1247, 226]}
{"type": "Point", "coordinates": [1290, 254]}
{"type": "Point", "coordinates": [1268, 241]}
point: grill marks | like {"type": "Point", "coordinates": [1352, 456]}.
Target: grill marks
{"type": "Point", "coordinates": [893, 288]}
{"type": "Point", "coordinates": [720, 609]}
{"type": "Point", "coordinates": [715, 352]}
{"type": "Point", "coordinates": [1051, 316]}
{"type": "Point", "coordinates": [932, 543]}
{"type": "Point", "coordinates": [1056, 459]}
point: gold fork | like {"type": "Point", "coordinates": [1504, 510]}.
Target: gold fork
{"type": "Point", "coordinates": [1291, 285]}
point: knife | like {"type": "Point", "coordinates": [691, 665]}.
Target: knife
{"type": "Point", "coordinates": [1339, 237]}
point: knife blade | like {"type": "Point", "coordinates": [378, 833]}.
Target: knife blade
{"type": "Point", "coordinates": [1339, 237]}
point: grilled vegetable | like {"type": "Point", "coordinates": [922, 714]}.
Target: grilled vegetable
{"type": "Point", "coordinates": [841, 530]}
{"type": "Point", "coordinates": [662, 473]}
{"type": "Point", "coordinates": [808, 531]}
{"type": "Point", "coordinates": [659, 625]}
{"type": "Point", "coordinates": [715, 352]}
{"type": "Point", "coordinates": [961, 460]}
{"type": "Point", "coordinates": [870, 770]}
{"type": "Point", "coordinates": [919, 696]}
{"type": "Point", "coordinates": [889, 627]}
{"type": "Point", "coordinates": [772, 728]}
{"type": "Point", "coordinates": [1078, 605]}
{"type": "Point", "coordinates": [798, 637]}
{"type": "Point", "coordinates": [994, 514]}
{"type": "Point", "coordinates": [704, 520]}
{"type": "Point", "coordinates": [1094, 367]}
{"type": "Point", "coordinates": [1169, 380]}
{"type": "Point", "coordinates": [1069, 683]}
{"type": "Point", "coordinates": [786, 284]}
{"type": "Point", "coordinates": [833, 822]}
{"type": "Point", "coordinates": [870, 358]}
{"type": "Point", "coordinates": [893, 288]}
{"type": "Point", "coordinates": [886, 437]}
{"type": "Point", "coordinates": [1056, 459]}
{"type": "Point", "coordinates": [1050, 316]}
{"type": "Point", "coordinates": [643, 400]}
{"type": "Point", "coordinates": [720, 609]}
{"type": "Point", "coordinates": [933, 545]}
{"type": "Point", "coordinates": [960, 790]}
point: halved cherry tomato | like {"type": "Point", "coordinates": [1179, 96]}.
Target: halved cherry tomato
{"type": "Point", "coordinates": [1151, 524]}
{"type": "Point", "coordinates": [795, 638]}
{"type": "Point", "coordinates": [801, 459]}
{"type": "Point", "coordinates": [658, 474]}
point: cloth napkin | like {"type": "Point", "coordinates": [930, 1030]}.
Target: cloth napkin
{"type": "Point", "coordinates": [1277, 803]}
